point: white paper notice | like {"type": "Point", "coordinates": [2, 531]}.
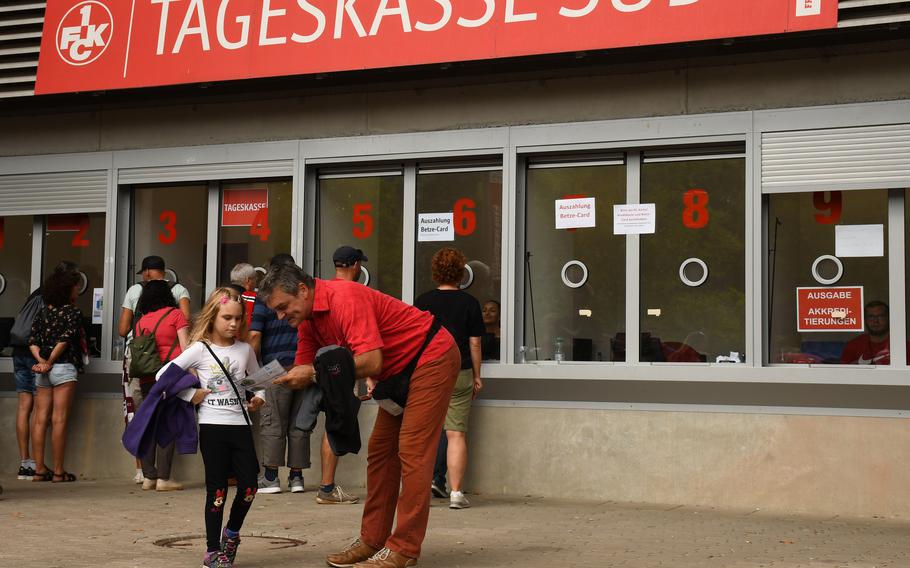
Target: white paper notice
{"type": "Point", "coordinates": [635, 219]}
{"type": "Point", "coordinates": [435, 227]}
{"type": "Point", "coordinates": [97, 305]}
{"type": "Point", "coordinates": [575, 213]}
{"type": "Point", "coordinates": [859, 240]}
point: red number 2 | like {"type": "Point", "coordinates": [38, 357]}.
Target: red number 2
{"type": "Point", "coordinates": [362, 217]}
{"type": "Point", "coordinates": [695, 213]}
{"type": "Point", "coordinates": [79, 240]}
{"type": "Point", "coordinates": [834, 206]}
{"type": "Point", "coordinates": [169, 218]}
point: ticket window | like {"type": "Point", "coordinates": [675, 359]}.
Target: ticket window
{"type": "Point", "coordinates": [692, 283]}
{"type": "Point", "coordinates": [171, 222]}
{"type": "Point", "coordinates": [15, 272]}
{"type": "Point", "coordinates": [255, 224]}
{"type": "Point", "coordinates": [472, 198]}
{"type": "Point", "coordinates": [827, 274]}
{"type": "Point", "coordinates": [79, 238]}
{"type": "Point", "coordinates": [362, 210]}
{"type": "Point", "coordinates": [575, 276]}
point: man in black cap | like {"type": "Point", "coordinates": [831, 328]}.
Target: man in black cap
{"type": "Point", "coordinates": [348, 261]}
{"type": "Point", "coordinates": [152, 268]}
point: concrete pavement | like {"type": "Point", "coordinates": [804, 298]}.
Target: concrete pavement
{"type": "Point", "coordinates": [113, 523]}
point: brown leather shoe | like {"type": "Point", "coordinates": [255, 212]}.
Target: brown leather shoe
{"type": "Point", "coordinates": [386, 558]}
{"type": "Point", "coordinates": [352, 554]}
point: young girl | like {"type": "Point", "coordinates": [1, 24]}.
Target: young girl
{"type": "Point", "coordinates": [225, 435]}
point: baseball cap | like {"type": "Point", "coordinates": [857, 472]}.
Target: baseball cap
{"type": "Point", "coordinates": [348, 255]}
{"type": "Point", "coordinates": [152, 263]}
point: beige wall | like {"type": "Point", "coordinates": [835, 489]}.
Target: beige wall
{"type": "Point", "coordinates": [759, 81]}
{"type": "Point", "coordinates": [849, 466]}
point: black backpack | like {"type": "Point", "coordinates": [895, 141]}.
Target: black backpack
{"type": "Point", "coordinates": [145, 361]}
{"type": "Point", "coordinates": [22, 326]}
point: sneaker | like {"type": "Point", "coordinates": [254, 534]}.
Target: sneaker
{"type": "Point", "coordinates": [168, 485]}
{"type": "Point", "coordinates": [457, 500]}
{"type": "Point", "coordinates": [386, 558]}
{"type": "Point", "coordinates": [352, 554]}
{"type": "Point", "coordinates": [149, 484]}
{"type": "Point", "coordinates": [26, 473]}
{"type": "Point", "coordinates": [138, 478]}
{"type": "Point", "coordinates": [266, 486]}
{"type": "Point", "coordinates": [216, 559]}
{"type": "Point", "coordinates": [229, 545]}
{"type": "Point", "coordinates": [295, 484]}
{"type": "Point", "coordinates": [338, 496]}
{"type": "Point", "coordinates": [438, 490]}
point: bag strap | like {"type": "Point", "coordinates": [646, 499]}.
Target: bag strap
{"type": "Point", "coordinates": [155, 329]}
{"type": "Point", "coordinates": [431, 333]}
{"type": "Point", "coordinates": [230, 380]}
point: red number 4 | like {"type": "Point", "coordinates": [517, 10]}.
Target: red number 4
{"type": "Point", "coordinates": [260, 226]}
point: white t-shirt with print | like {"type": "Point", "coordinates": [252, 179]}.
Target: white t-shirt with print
{"type": "Point", "coordinates": [221, 406]}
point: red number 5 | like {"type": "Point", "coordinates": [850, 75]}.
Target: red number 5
{"type": "Point", "coordinates": [695, 214]}
{"type": "Point", "coordinates": [363, 217]}
{"type": "Point", "coordinates": [169, 218]}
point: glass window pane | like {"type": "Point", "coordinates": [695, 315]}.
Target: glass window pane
{"type": "Point", "coordinates": [586, 322]}
{"type": "Point", "coordinates": [15, 272]}
{"type": "Point", "coordinates": [78, 238]}
{"type": "Point", "coordinates": [250, 232]}
{"type": "Point", "coordinates": [802, 229]}
{"type": "Point", "coordinates": [172, 222]}
{"type": "Point", "coordinates": [475, 201]}
{"type": "Point", "coordinates": [700, 206]}
{"type": "Point", "coordinates": [366, 213]}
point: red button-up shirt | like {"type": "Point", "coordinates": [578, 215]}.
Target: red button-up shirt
{"type": "Point", "coordinates": [362, 319]}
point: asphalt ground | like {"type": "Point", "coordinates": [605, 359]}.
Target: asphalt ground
{"type": "Point", "coordinates": [114, 523]}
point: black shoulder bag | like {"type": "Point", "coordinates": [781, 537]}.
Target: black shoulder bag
{"type": "Point", "coordinates": [233, 385]}
{"type": "Point", "coordinates": [397, 386]}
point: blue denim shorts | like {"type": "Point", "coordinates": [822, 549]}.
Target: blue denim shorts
{"type": "Point", "coordinates": [59, 374]}
{"type": "Point", "coordinates": [22, 372]}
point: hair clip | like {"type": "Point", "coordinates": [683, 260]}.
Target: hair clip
{"type": "Point", "coordinates": [224, 299]}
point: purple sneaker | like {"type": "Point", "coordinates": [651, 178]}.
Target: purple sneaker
{"type": "Point", "coordinates": [229, 546]}
{"type": "Point", "coordinates": [216, 559]}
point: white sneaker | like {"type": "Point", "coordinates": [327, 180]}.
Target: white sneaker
{"type": "Point", "coordinates": [138, 478]}
{"type": "Point", "coordinates": [149, 484]}
{"type": "Point", "coordinates": [295, 484]}
{"type": "Point", "coordinates": [168, 485]}
{"type": "Point", "coordinates": [457, 500]}
{"type": "Point", "coordinates": [266, 486]}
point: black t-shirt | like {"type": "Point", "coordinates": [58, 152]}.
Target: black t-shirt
{"type": "Point", "coordinates": [459, 313]}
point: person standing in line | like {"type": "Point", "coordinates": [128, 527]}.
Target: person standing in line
{"type": "Point", "coordinates": [245, 277]}
{"type": "Point", "coordinates": [386, 337]}
{"type": "Point", "coordinates": [57, 343]}
{"type": "Point", "coordinates": [273, 339]}
{"type": "Point", "coordinates": [24, 375]}
{"type": "Point", "coordinates": [152, 268]}
{"type": "Point", "coordinates": [460, 314]}
{"type": "Point", "coordinates": [225, 431]}
{"type": "Point", "coordinates": [160, 317]}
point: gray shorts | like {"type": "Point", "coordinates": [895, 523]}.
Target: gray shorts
{"type": "Point", "coordinates": [59, 374]}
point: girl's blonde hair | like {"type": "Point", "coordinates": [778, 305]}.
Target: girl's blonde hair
{"type": "Point", "coordinates": [204, 319]}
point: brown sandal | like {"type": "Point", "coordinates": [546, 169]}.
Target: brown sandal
{"type": "Point", "coordinates": [65, 477]}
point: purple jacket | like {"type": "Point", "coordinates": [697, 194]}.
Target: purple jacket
{"type": "Point", "coordinates": [164, 417]}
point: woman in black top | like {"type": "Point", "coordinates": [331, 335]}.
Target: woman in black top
{"type": "Point", "coordinates": [57, 343]}
{"type": "Point", "coordinates": [460, 313]}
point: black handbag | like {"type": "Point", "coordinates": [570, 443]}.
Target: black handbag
{"type": "Point", "coordinates": [397, 386]}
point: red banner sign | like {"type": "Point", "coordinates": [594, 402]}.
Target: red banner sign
{"type": "Point", "coordinates": [92, 45]}
{"type": "Point", "coordinates": [243, 207]}
{"type": "Point", "coordinates": [830, 309]}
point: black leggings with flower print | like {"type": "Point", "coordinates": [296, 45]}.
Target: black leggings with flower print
{"type": "Point", "coordinates": [227, 449]}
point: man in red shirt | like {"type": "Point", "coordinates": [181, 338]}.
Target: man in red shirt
{"type": "Point", "coordinates": [384, 334]}
{"type": "Point", "coordinates": [874, 346]}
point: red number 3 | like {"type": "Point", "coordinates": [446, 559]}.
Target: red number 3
{"type": "Point", "coordinates": [695, 213]}
{"type": "Point", "coordinates": [169, 218]}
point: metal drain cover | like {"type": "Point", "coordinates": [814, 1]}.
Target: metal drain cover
{"type": "Point", "coordinates": [249, 541]}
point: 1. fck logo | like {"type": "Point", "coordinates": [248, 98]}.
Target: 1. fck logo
{"type": "Point", "coordinates": [84, 32]}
